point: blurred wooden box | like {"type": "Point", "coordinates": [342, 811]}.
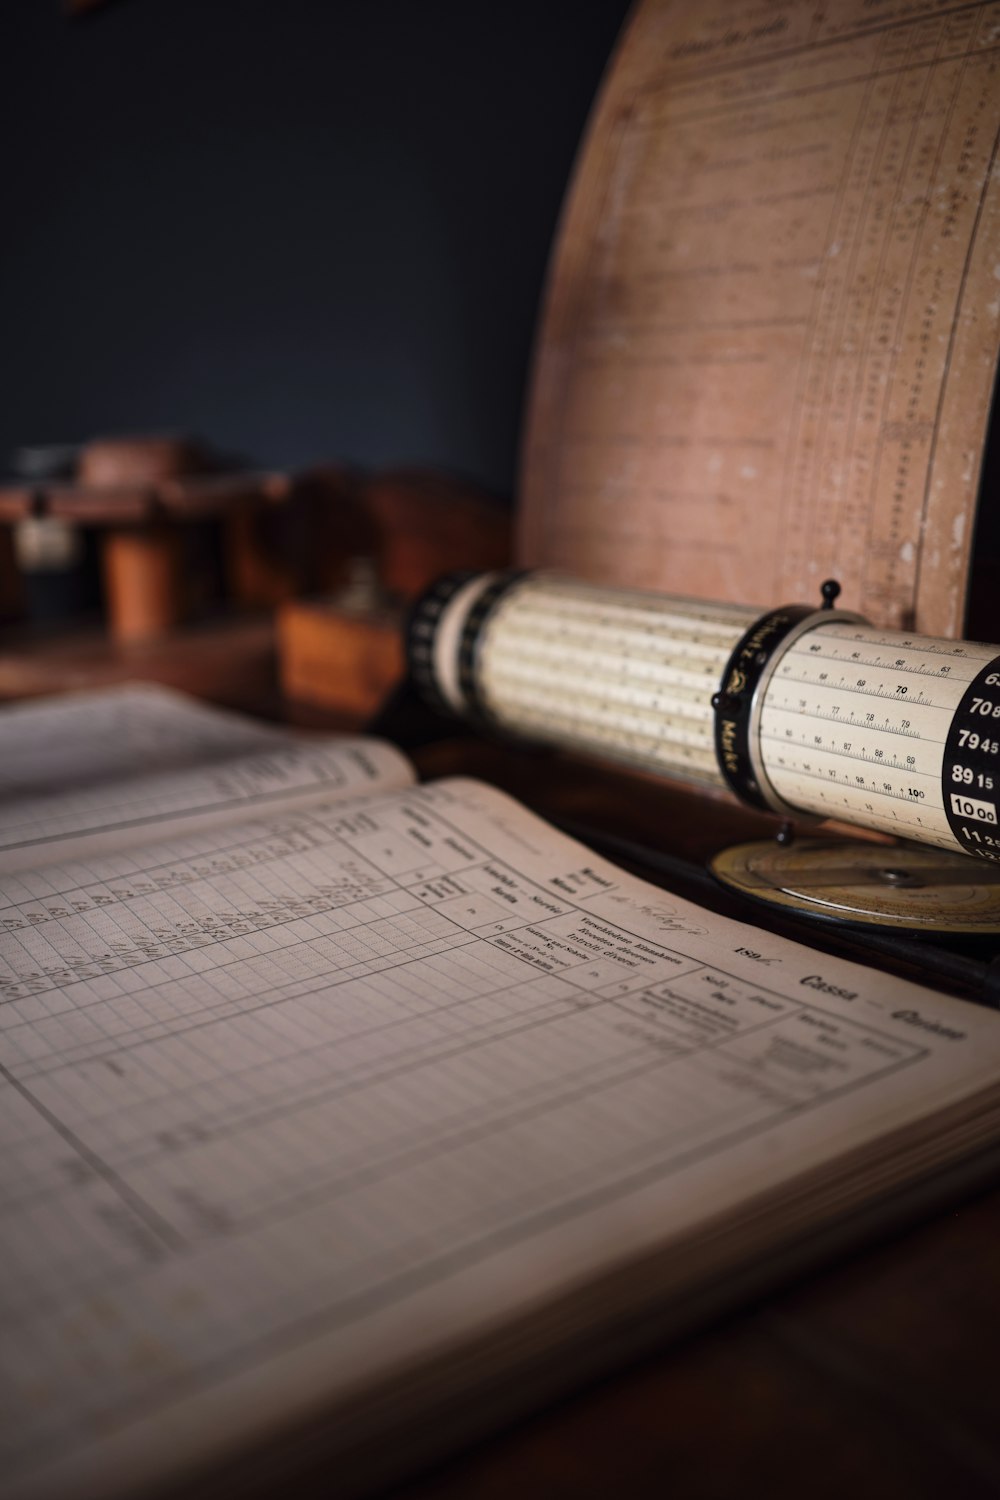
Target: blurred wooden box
{"type": "Point", "coordinates": [345, 652]}
{"type": "Point", "coordinates": [338, 657]}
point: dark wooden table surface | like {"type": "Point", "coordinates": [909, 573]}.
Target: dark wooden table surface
{"type": "Point", "coordinates": [872, 1378]}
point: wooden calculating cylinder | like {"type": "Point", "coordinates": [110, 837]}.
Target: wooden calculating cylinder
{"type": "Point", "coordinates": [799, 710]}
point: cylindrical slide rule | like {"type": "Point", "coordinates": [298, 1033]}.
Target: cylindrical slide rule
{"type": "Point", "coordinates": [801, 710]}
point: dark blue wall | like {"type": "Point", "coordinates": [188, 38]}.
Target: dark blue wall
{"type": "Point", "coordinates": [303, 228]}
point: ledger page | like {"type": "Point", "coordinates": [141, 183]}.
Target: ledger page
{"type": "Point", "coordinates": [295, 1104]}
{"type": "Point", "coordinates": [118, 765]}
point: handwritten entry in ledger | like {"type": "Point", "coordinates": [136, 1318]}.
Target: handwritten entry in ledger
{"type": "Point", "coordinates": [772, 322]}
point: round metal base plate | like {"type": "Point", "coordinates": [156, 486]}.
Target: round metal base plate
{"type": "Point", "coordinates": [899, 886]}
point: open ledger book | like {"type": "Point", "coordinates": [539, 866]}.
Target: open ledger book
{"type": "Point", "coordinates": [343, 1118]}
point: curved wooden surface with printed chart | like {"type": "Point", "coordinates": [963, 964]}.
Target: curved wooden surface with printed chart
{"type": "Point", "coordinates": [771, 326]}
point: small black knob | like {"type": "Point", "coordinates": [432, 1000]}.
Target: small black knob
{"type": "Point", "coordinates": [830, 591]}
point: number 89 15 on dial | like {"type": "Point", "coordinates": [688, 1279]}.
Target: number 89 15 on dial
{"type": "Point", "coordinates": [968, 777]}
